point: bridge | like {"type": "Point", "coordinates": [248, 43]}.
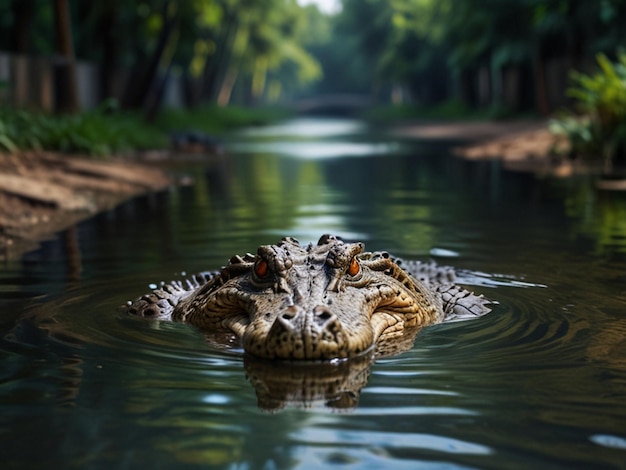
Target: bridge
{"type": "Point", "coordinates": [334, 104]}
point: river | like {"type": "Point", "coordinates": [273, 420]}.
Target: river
{"type": "Point", "coordinates": [540, 382]}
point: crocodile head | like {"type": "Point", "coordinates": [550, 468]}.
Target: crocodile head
{"type": "Point", "coordinates": [324, 301]}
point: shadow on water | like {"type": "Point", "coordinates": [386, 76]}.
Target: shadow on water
{"type": "Point", "coordinates": [541, 381]}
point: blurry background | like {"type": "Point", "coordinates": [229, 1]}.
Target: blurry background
{"type": "Point", "coordinates": [514, 55]}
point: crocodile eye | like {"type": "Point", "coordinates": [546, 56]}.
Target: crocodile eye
{"type": "Point", "coordinates": [354, 267]}
{"type": "Point", "coordinates": [261, 268]}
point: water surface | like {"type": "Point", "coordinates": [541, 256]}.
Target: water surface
{"type": "Point", "coordinates": [538, 383]}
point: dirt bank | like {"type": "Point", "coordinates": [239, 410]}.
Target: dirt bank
{"type": "Point", "coordinates": [525, 145]}
{"type": "Point", "coordinates": [42, 193]}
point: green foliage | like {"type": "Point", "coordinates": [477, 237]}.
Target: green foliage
{"type": "Point", "coordinates": [260, 51]}
{"type": "Point", "coordinates": [603, 94]}
{"type": "Point", "coordinates": [239, 48]}
{"type": "Point", "coordinates": [107, 130]}
{"type": "Point", "coordinates": [261, 44]}
{"type": "Point", "coordinates": [100, 132]}
{"type": "Point", "coordinates": [579, 132]}
{"type": "Point", "coordinates": [6, 137]}
{"type": "Point", "coordinates": [601, 98]}
{"type": "Point", "coordinates": [432, 50]}
{"type": "Point", "coordinates": [215, 119]}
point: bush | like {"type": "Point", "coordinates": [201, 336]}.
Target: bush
{"type": "Point", "coordinates": [107, 130]}
{"type": "Point", "coordinates": [213, 119]}
{"type": "Point", "coordinates": [100, 132]}
{"type": "Point", "coordinates": [601, 98]}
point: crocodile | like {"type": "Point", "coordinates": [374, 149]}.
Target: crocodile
{"type": "Point", "coordinates": [324, 301]}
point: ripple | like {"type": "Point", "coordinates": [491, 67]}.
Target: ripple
{"type": "Point", "coordinates": [390, 440]}
{"type": "Point", "coordinates": [413, 411]}
{"type": "Point", "coordinates": [407, 391]}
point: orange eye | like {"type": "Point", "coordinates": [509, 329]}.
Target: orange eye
{"type": "Point", "coordinates": [354, 267]}
{"type": "Point", "coordinates": [260, 268]}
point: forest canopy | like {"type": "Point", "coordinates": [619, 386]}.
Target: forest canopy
{"type": "Point", "coordinates": [517, 53]}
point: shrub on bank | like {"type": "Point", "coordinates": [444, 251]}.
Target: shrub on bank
{"type": "Point", "coordinates": [100, 132]}
{"type": "Point", "coordinates": [108, 130]}
{"type": "Point", "coordinates": [214, 119]}
{"type": "Point", "coordinates": [599, 130]}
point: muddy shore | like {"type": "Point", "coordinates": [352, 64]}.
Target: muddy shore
{"type": "Point", "coordinates": [42, 193]}
{"type": "Point", "coordinates": [521, 145]}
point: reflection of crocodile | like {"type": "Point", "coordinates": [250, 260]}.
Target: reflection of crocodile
{"type": "Point", "coordinates": [325, 301]}
{"type": "Point", "coordinates": [280, 384]}
{"type": "Point", "coordinates": [305, 384]}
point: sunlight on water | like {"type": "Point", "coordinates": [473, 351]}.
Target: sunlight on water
{"type": "Point", "coordinates": [410, 391]}
{"type": "Point", "coordinates": [309, 128]}
{"type": "Point", "coordinates": [390, 440]}
{"type": "Point", "coordinates": [609, 441]}
{"type": "Point", "coordinates": [313, 139]}
{"type": "Point", "coordinates": [318, 446]}
{"type": "Point", "coordinates": [317, 150]}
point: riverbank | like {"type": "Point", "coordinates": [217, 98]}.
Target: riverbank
{"type": "Point", "coordinates": [42, 193]}
{"type": "Point", "coordinates": [525, 145]}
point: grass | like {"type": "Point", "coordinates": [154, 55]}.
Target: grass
{"type": "Point", "coordinates": [108, 130]}
{"type": "Point", "coordinates": [214, 119]}
{"type": "Point", "coordinates": [99, 132]}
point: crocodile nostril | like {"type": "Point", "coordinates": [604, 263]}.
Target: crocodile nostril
{"type": "Point", "coordinates": [324, 315]}
{"type": "Point", "coordinates": [290, 313]}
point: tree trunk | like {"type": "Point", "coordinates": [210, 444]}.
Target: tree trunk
{"type": "Point", "coordinates": [467, 90]}
{"type": "Point", "coordinates": [68, 100]}
{"type": "Point", "coordinates": [216, 70]}
{"type": "Point", "coordinates": [541, 97]}
{"type": "Point", "coordinates": [138, 90]}
{"type": "Point", "coordinates": [23, 12]}
{"type": "Point", "coordinates": [154, 97]}
{"type": "Point", "coordinates": [226, 90]}
{"type": "Point", "coordinates": [106, 31]}
{"type": "Point", "coordinates": [258, 79]}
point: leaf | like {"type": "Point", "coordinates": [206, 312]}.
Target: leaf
{"type": "Point", "coordinates": [7, 143]}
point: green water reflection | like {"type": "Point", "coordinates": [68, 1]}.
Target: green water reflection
{"type": "Point", "coordinates": [540, 382]}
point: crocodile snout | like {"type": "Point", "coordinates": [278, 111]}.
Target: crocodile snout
{"type": "Point", "coordinates": [299, 333]}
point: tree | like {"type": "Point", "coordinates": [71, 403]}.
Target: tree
{"type": "Point", "coordinates": [225, 48]}
{"type": "Point", "coordinates": [487, 52]}
{"type": "Point", "coordinates": [23, 14]}
{"type": "Point", "coordinates": [69, 97]}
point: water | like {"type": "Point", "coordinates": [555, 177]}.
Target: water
{"type": "Point", "coordinates": [538, 383]}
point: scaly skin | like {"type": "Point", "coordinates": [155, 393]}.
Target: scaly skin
{"type": "Point", "coordinates": [317, 302]}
